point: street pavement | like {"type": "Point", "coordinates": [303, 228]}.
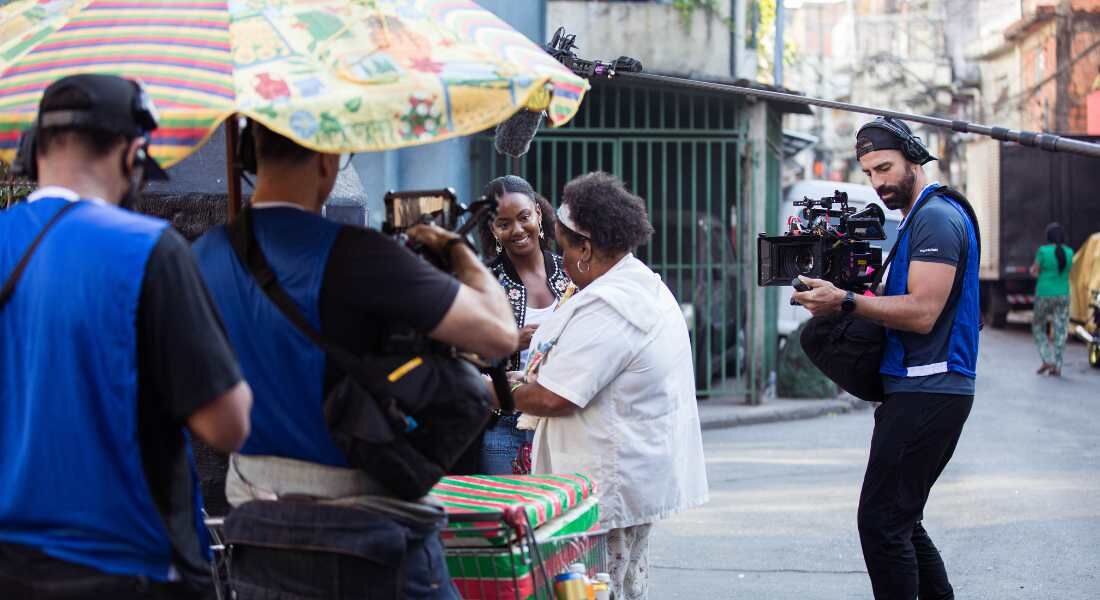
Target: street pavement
{"type": "Point", "coordinates": [1016, 514]}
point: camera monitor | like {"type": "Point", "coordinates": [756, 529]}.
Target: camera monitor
{"type": "Point", "coordinates": [405, 210]}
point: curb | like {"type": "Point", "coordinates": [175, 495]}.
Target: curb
{"type": "Point", "coordinates": [775, 414]}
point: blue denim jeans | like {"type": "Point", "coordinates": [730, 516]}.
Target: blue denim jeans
{"type": "Point", "coordinates": [297, 550]}
{"type": "Point", "coordinates": [502, 444]}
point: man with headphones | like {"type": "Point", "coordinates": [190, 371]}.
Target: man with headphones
{"type": "Point", "coordinates": [111, 351]}
{"type": "Point", "coordinates": [930, 311]}
{"type": "Point", "coordinates": [356, 286]}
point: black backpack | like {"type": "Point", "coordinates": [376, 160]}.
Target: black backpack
{"type": "Point", "coordinates": [848, 349]}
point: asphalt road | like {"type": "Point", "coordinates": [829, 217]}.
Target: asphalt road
{"type": "Point", "coordinates": [1016, 514]}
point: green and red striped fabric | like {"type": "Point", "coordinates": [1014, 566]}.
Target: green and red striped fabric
{"type": "Point", "coordinates": [483, 564]}
{"type": "Point", "coordinates": [543, 497]}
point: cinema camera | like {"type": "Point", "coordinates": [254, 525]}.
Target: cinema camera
{"type": "Point", "coordinates": [405, 210]}
{"type": "Point", "coordinates": [815, 246]}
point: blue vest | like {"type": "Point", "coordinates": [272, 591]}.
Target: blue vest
{"type": "Point", "coordinates": [72, 482]}
{"type": "Point", "coordinates": [960, 353]}
{"type": "Point", "coordinates": [286, 370]}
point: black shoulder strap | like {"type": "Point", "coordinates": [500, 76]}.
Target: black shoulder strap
{"type": "Point", "coordinates": [243, 239]}
{"type": "Point", "coordinates": [958, 197]}
{"type": "Point", "coordinates": [364, 372]}
{"type": "Point", "coordinates": [960, 273]}
{"type": "Point", "coordinates": [877, 277]}
{"type": "Point", "coordinates": [9, 286]}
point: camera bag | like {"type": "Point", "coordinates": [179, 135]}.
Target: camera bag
{"type": "Point", "coordinates": [848, 349]}
{"type": "Point", "coordinates": [403, 415]}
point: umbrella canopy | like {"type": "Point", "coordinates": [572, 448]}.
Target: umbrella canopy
{"type": "Point", "coordinates": [334, 75]}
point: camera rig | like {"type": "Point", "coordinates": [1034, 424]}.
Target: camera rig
{"type": "Point", "coordinates": [562, 47]}
{"type": "Point", "coordinates": [441, 207]}
{"type": "Point", "coordinates": [816, 246]}
{"type": "Point", "coordinates": [405, 210]}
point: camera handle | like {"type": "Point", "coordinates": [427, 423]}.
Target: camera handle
{"type": "Point", "coordinates": [798, 286]}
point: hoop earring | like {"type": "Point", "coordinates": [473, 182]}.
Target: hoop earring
{"type": "Point", "coordinates": [582, 269]}
{"type": "Point", "coordinates": [499, 248]}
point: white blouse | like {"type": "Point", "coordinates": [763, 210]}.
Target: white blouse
{"type": "Point", "coordinates": [534, 316]}
{"type": "Point", "coordinates": [622, 354]}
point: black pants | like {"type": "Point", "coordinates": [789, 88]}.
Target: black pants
{"type": "Point", "coordinates": [27, 574]}
{"type": "Point", "coordinates": [915, 435]}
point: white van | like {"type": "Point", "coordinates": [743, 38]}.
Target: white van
{"type": "Point", "coordinates": [859, 196]}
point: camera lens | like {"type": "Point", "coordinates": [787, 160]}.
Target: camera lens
{"type": "Point", "coordinates": [805, 263]}
{"type": "Point", "coordinates": [798, 260]}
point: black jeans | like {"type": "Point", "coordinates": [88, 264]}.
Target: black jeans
{"type": "Point", "coordinates": [28, 574]}
{"type": "Point", "coordinates": [305, 550]}
{"type": "Point", "coordinates": [915, 435]}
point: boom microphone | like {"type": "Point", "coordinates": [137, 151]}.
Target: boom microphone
{"type": "Point", "coordinates": [513, 136]}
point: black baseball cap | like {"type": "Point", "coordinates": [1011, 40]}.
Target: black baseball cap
{"type": "Point", "coordinates": [105, 103]}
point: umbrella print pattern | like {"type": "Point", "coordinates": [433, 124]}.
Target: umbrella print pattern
{"type": "Point", "coordinates": [336, 76]}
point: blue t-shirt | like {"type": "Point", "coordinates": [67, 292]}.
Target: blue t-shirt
{"type": "Point", "coordinates": [937, 234]}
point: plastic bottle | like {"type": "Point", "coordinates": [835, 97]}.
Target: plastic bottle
{"type": "Point", "coordinates": [601, 588]}
{"type": "Point", "coordinates": [570, 586]}
{"type": "Point", "coordinates": [582, 570]}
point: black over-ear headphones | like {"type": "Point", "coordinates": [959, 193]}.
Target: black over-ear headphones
{"type": "Point", "coordinates": [911, 146]}
{"type": "Point", "coordinates": [246, 146]}
{"type": "Point", "coordinates": [142, 111]}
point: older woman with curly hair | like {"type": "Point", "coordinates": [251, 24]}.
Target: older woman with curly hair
{"type": "Point", "coordinates": [611, 376]}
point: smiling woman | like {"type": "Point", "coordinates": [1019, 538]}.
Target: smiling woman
{"type": "Point", "coordinates": [518, 244]}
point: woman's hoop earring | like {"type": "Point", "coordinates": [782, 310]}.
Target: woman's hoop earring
{"type": "Point", "coordinates": [582, 269]}
{"type": "Point", "coordinates": [499, 248]}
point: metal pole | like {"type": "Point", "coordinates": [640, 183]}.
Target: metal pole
{"type": "Point", "coordinates": [779, 18]}
{"type": "Point", "coordinates": [232, 169]}
{"type": "Point", "coordinates": [1044, 141]}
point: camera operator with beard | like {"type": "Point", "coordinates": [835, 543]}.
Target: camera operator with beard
{"type": "Point", "coordinates": [355, 285]}
{"type": "Point", "coordinates": [929, 359]}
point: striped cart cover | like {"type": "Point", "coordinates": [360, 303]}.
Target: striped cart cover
{"type": "Point", "coordinates": [487, 560]}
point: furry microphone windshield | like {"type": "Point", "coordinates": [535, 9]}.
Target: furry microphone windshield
{"type": "Point", "coordinates": [513, 137]}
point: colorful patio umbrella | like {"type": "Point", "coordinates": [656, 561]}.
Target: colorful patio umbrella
{"type": "Point", "coordinates": [335, 75]}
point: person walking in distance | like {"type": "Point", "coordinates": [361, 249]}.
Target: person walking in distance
{"type": "Point", "coordinates": [1051, 269]}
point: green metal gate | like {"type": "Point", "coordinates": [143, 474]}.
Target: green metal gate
{"type": "Point", "coordinates": [679, 150]}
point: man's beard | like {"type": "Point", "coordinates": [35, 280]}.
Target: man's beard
{"type": "Point", "coordinates": [901, 194]}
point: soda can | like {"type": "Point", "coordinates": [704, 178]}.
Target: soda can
{"type": "Point", "coordinates": [570, 586]}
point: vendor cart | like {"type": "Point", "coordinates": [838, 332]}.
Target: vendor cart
{"type": "Point", "coordinates": [508, 536]}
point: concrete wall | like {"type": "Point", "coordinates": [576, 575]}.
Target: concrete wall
{"type": "Point", "coordinates": [650, 32]}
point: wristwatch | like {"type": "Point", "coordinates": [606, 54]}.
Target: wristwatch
{"type": "Point", "coordinates": [849, 302]}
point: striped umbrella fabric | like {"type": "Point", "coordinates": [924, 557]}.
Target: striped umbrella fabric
{"type": "Point", "coordinates": [337, 76]}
